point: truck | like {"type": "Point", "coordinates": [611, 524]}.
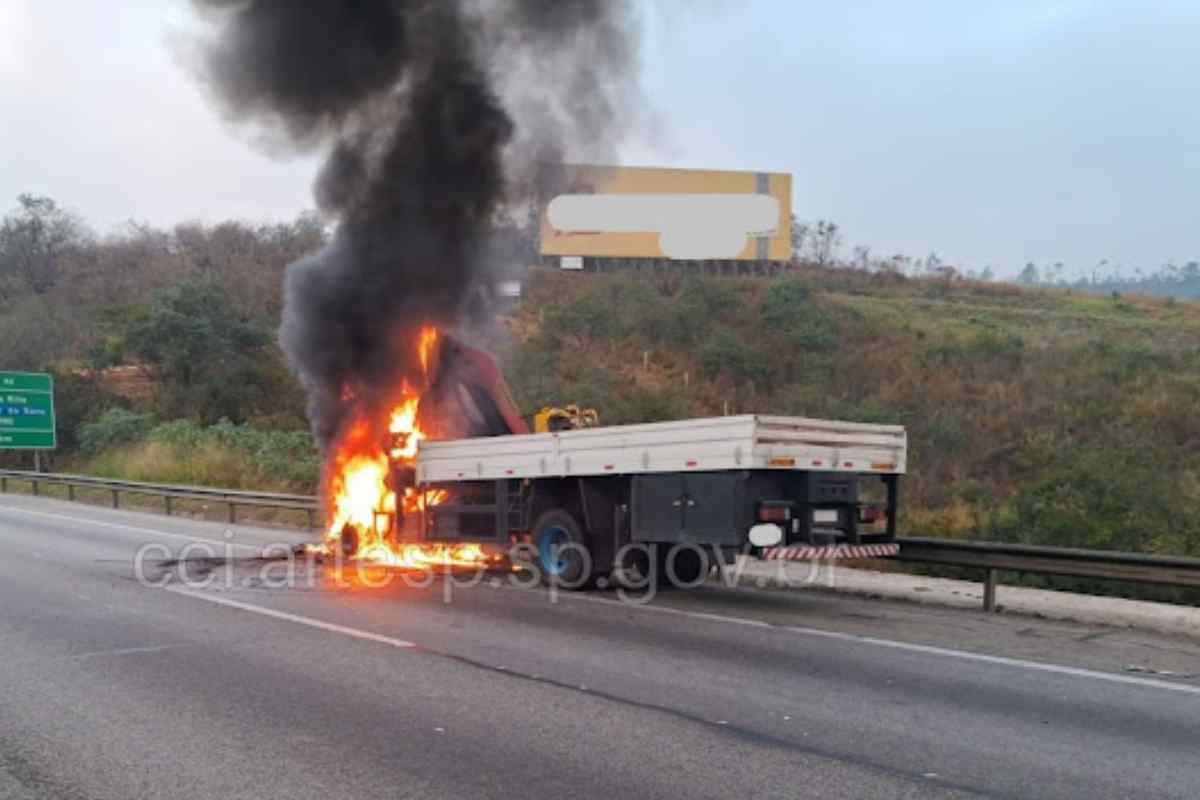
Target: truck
{"type": "Point", "coordinates": [588, 505]}
{"type": "Point", "coordinates": [668, 500]}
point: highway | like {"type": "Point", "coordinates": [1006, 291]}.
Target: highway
{"type": "Point", "coordinates": [117, 687]}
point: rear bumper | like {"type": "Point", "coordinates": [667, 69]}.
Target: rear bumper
{"type": "Point", "coordinates": [830, 553]}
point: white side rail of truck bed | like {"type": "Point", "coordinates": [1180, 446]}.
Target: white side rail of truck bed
{"type": "Point", "coordinates": [745, 442]}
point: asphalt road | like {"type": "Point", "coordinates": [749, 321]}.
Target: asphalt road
{"type": "Point", "coordinates": [114, 688]}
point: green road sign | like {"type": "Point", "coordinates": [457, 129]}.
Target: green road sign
{"type": "Point", "coordinates": [26, 411]}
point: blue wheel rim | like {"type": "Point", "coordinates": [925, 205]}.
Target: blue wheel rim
{"type": "Point", "coordinates": [548, 544]}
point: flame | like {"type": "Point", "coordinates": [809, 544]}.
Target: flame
{"type": "Point", "coordinates": [361, 498]}
{"type": "Point", "coordinates": [404, 431]}
{"type": "Point", "coordinates": [425, 344]}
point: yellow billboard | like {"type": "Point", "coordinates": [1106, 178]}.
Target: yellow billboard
{"type": "Point", "coordinates": [660, 213]}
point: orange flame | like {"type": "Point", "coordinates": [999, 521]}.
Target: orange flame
{"type": "Point", "coordinates": [361, 498]}
{"type": "Point", "coordinates": [425, 344]}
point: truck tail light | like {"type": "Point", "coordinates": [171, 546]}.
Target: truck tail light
{"type": "Point", "coordinates": [774, 511]}
{"type": "Point", "coordinates": [870, 514]}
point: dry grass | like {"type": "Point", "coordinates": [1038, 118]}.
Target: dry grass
{"type": "Point", "coordinates": [1043, 415]}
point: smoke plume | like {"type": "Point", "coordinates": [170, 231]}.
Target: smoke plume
{"type": "Point", "coordinates": [434, 114]}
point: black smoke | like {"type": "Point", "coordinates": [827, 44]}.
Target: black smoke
{"type": "Point", "coordinates": [435, 115]}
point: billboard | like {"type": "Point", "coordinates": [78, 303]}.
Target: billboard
{"type": "Point", "coordinates": [659, 213]}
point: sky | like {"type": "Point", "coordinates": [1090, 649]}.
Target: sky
{"type": "Point", "coordinates": [991, 133]}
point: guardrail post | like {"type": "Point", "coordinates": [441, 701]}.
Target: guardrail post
{"type": "Point", "coordinates": [989, 591]}
{"type": "Point", "coordinates": [232, 514]}
{"type": "Point", "coordinates": [34, 484]}
{"type": "Point", "coordinates": [116, 498]}
{"type": "Point", "coordinates": [3, 484]}
{"type": "Point", "coordinates": [311, 522]}
{"type": "Point", "coordinates": [167, 503]}
{"type": "Point", "coordinates": [71, 492]}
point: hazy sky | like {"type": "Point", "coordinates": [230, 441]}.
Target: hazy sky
{"type": "Point", "coordinates": [993, 133]}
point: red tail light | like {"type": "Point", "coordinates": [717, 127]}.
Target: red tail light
{"type": "Point", "coordinates": [870, 514]}
{"type": "Point", "coordinates": [774, 511]}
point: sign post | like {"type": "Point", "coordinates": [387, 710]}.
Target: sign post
{"type": "Point", "coordinates": [27, 413]}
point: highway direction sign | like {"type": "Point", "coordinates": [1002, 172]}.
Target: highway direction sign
{"type": "Point", "coordinates": [26, 411]}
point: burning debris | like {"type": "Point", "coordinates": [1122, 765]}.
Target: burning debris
{"type": "Point", "coordinates": [433, 113]}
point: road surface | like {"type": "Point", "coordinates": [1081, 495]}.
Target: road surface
{"type": "Point", "coordinates": [111, 687]}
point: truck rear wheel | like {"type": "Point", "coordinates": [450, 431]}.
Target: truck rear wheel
{"type": "Point", "coordinates": [563, 557]}
{"type": "Point", "coordinates": [684, 566]}
{"type": "Point", "coordinates": [666, 565]}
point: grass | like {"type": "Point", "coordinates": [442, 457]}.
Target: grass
{"type": "Point", "coordinates": [1036, 415]}
{"type": "Point", "coordinates": [210, 464]}
{"type": "Point", "coordinates": [135, 447]}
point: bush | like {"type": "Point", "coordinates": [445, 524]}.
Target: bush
{"type": "Point", "coordinates": [78, 397]}
{"type": "Point", "coordinates": [787, 312]}
{"type": "Point", "coordinates": [640, 404]}
{"type": "Point", "coordinates": [114, 427]}
{"type": "Point", "coordinates": [782, 303]}
{"type": "Point", "coordinates": [281, 455]}
{"type": "Point", "coordinates": [209, 359]}
{"type": "Point", "coordinates": [944, 434]}
{"type": "Point", "coordinates": [131, 446]}
{"type": "Point", "coordinates": [589, 316]}
{"type": "Point", "coordinates": [725, 355]}
{"type": "Point", "coordinates": [1119, 361]}
{"type": "Point", "coordinates": [986, 347]}
{"type": "Point", "coordinates": [1107, 497]}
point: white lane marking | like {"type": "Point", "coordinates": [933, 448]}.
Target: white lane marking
{"type": "Point", "coordinates": [964, 655]}
{"type": "Point", "coordinates": [309, 621]}
{"type": "Point", "coordinates": [131, 651]}
{"type": "Point", "coordinates": [154, 531]}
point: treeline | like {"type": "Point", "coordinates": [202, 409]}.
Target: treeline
{"type": "Point", "coordinates": [192, 310]}
{"type": "Point", "coordinates": [820, 243]}
{"type": "Point", "coordinates": [1170, 280]}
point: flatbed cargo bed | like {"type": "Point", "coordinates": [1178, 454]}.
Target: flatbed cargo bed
{"type": "Point", "coordinates": [744, 442]}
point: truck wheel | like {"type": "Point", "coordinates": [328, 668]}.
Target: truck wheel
{"type": "Point", "coordinates": [683, 567]}
{"type": "Point", "coordinates": [563, 557]}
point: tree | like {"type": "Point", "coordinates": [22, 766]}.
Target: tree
{"type": "Point", "coordinates": [1029, 275]}
{"type": "Point", "coordinates": [34, 239]}
{"type": "Point", "coordinates": [209, 360]}
{"type": "Point", "coordinates": [862, 257]}
{"type": "Point", "coordinates": [825, 239]}
{"type": "Point", "coordinates": [800, 231]}
{"type": "Point", "coordinates": [816, 243]}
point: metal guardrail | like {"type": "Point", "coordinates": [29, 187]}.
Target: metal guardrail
{"type": "Point", "coordinates": [990, 557]}
{"type": "Point", "coordinates": [169, 492]}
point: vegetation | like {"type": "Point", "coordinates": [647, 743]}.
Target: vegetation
{"type": "Point", "coordinates": [1034, 415]}
{"type": "Point", "coordinates": [125, 444]}
{"type": "Point", "coordinates": [1170, 280]}
{"type": "Point", "coordinates": [174, 324]}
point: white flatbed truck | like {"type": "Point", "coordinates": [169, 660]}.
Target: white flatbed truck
{"type": "Point", "coordinates": [673, 496]}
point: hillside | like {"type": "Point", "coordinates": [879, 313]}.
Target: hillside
{"type": "Point", "coordinates": [1034, 415]}
{"type": "Point", "coordinates": [1038, 414]}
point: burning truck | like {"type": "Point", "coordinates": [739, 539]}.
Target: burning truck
{"type": "Point", "coordinates": [456, 478]}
